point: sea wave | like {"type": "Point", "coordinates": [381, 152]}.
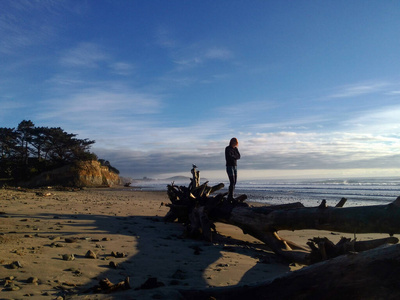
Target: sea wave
{"type": "Point", "coordinates": [358, 191]}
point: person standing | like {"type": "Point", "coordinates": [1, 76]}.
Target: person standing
{"type": "Point", "coordinates": [231, 156]}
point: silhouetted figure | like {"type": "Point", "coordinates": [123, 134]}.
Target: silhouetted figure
{"type": "Point", "coordinates": [231, 156]}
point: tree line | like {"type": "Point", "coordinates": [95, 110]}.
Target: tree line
{"type": "Point", "coordinates": [28, 150]}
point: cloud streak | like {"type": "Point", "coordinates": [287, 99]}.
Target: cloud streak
{"type": "Point", "coordinates": [285, 150]}
{"type": "Point", "coordinates": [20, 30]}
{"type": "Point", "coordinates": [88, 55]}
{"type": "Point", "coordinates": [189, 56]}
{"type": "Point", "coordinates": [360, 89]}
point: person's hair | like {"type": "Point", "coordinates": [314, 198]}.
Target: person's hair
{"type": "Point", "coordinates": [233, 142]}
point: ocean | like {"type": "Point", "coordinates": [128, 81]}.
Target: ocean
{"type": "Point", "coordinates": [358, 191]}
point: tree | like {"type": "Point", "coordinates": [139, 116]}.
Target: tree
{"type": "Point", "coordinates": [39, 139]}
{"type": "Point", "coordinates": [24, 138]}
{"type": "Point", "coordinates": [8, 138]}
{"type": "Point", "coordinates": [107, 164]}
{"type": "Point", "coordinates": [8, 147]}
{"type": "Point", "coordinates": [29, 150]}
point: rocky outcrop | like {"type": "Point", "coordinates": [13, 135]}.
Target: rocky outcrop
{"type": "Point", "coordinates": [80, 174]}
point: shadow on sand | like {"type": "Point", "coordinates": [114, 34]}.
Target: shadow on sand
{"type": "Point", "coordinates": [149, 248]}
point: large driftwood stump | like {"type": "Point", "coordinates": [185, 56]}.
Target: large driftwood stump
{"type": "Point", "coordinates": [199, 210]}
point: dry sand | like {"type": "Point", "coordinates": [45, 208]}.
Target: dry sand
{"type": "Point", "coordinates": [40, 229]}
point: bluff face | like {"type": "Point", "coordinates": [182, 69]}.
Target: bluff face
{"type": "Point", "coordinates": [80, 174]}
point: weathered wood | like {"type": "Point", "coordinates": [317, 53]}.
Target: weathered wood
{"type": "Point", "coordinates": [365, 219]}
{"type": "Point", "coordinates": [263, 223]}
{"type": "Point", "coordinates": [200, 223]}
{"type": "Point", "coordinates": [372, 244]}
{"type": "Point", "coordinates": [216, 188]}
{"type": "Point", "coordinates": [240, 198]}
{"type": "Point", "coordinates": [323, 249]}
{"type": "Point", "coordinates": [200, 190]}
{"type": "Point", "coordinates": [341, 203]}
{"type": "Point", "coordinates": [176, 211]}
{"type": "Point", "coordinates": [374, 274]}
{"type": "Point", "coordinates": [195, 207]}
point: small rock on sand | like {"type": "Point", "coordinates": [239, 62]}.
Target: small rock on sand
{"type": "Point", "coordinates": [70, 240]}
{"type": "Point", "coordinates": [90, 254]}
{"type": "Point", "coordinates": [15, 265]}
{"type": "Point", "coordinates": [68, 257]}
{"type": "Point", "coordinates": [33, 280]}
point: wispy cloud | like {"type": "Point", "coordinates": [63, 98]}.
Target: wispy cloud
{"type": "Point", "coordinates": [190, 59]}
{"type": "Point", "coordinates": [122, 68]}
{"type": "Point", "coordinates": [164, 38]}
{"type": "Point", "coordinates": [218, 53]}
{"type": "Point", "coordinates": [189, 55]}
{"type": "Point", "coordinates": [111, 117]}
{"type": "Point", "coordinates": [21, 28]}
{"type": "Point", "coordinates": [28, 6]}
{"type": "Point", "coordinates": [194, 56]}
{"type": "Point", "coordinates": [356, 90]}
{"type": "Point", "coordinates": [248, 108]}
{"type": "Point", "coordinates": [393, 93]}
{"type": "Point", "coordinates": [86, 54]}
{"type": "Point", "coordinates": [92, 56]}
{"type": "Point", "coordinates": [103, 101]}
{"type": "Point", "coordinates": [16, 37]}
{"type": "Point", "coordinates": [8, 106]}
{"type": "Point", "coordinates": [382, 120]}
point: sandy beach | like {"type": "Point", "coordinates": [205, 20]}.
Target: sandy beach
{"type": "Point", "coordinates": [60, 244]}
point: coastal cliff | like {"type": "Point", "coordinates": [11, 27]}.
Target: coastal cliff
{"type": "Point", "coordinates": [80, 174]}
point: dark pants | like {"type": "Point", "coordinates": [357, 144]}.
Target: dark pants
{"type": "Point", "coordinates": [232, 175]}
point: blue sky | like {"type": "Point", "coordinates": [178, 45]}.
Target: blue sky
{"type": "Point", "coordinates": [310, 88]}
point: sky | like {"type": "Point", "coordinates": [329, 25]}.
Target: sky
{"type": "Point", "coordinates": [309, 88]}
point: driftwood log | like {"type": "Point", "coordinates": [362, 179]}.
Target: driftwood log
{"type": "Point", "coordinates": [373, 274]}
{"type": "Point", "coordinates": [264, 223]}
{"type": "Point", "coordinates": [195, 207]}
